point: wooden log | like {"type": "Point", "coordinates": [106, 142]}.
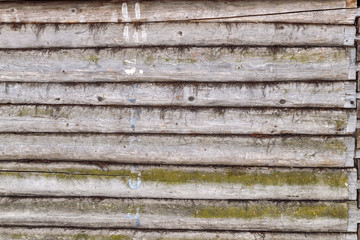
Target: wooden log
{"type": "Point", "coordinates": [193, 150]}
{"type": "Point", "coordinates": [154, 11]}
{"type": "Point", "coordinates": [293, 94]}
{"type": "Point", "coordinates": [40, 118]}
{"type": "Point", "coordinates": [173, 34]}
{"type": "Point", "coordinates": [169, 182]}
{"type": "Point", "coordinates": [178, 214]}
{"type": "Point", "coordinates": [239, 64]}
{"type": "Point", "coordinates": [334, 16]}
{"type": "Point", "coordinates": [72, 234]}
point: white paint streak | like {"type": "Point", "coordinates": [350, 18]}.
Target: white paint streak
{"type": "Point", "coordinates": [143, 33]}
{"type": "Point", "coordinates": [137, 11]}
{"type": "Point", "coordinates": [136, 36]}
{"type": "Point", "coordinates": [141, 71]}
{"type": "Point", "coordinates": [114, 17]}
{"type": "Point", "coordinates": [130, 71]}
{"type": "Point", "coordinates": [133, 61]}
{"type": "Point", "coordinates": [126, 33]}
{"type": "Point", "coordinates": [125, 13]}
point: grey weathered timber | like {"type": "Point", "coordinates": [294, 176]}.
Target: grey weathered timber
{"type": "Point", "coordinates": [40, 118]}
{"type": "Point", "coordinates": [178, 214]}
{"type": "Point", "coordinates": [173, 34]}
{"type": "Point", "coordinates": [128, 181]}
{"type": "Point", "coordinates": [178, 64]}
{"type": "Point", "coordinates": [358, 139]}
{"type": "Point", "coordinates": [198, 150]}
{"type": "Point", "coordinates": [79, 234]}
{"type": "Point", "coordinates": [334, 16]}
{"type": "Point", "coordinates": [154, 11]}
{"type": "Point", "coordinates": [292, 94]}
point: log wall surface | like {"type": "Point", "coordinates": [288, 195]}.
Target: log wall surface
{"type": "Point", "coordinates": [179, 119]}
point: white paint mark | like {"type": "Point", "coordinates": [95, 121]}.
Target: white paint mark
{"type": "Point", "coordinates": [135, 140]}
{"type": "Point", "coordinates": [136, 35]}
{"type": "Point", "coordinates": [135, 186]}
{"type": "Point", "coordinates": [130, 71]}
{"type": "Point", "coordinates": [114, 17]}
{"type": "Point", "coordinates": [143, 34]}
{"type": "Point", "coordinates": [126, 33]}
{"type": "Point", "coordinates": [82, 19]}
{"type": "Point", "coordinates": [141, 71]}
{"type": "Point", "coordinates": [137, 217]}
{"type": "Point", "coordinates": [132, 122]}
{"type": "Point", "coordinates": [137, 11]}
{"type": "Point", "coordinates": [125, 13]}
{"type": "Point", "coordinates": [132, 61]}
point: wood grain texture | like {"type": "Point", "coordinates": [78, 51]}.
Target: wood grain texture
{"type": "Point", "coordinates": [334, 16]}
{"type": "Point", "coordinates": [78, 234]}
{"type": "Point", "coordinates": [176, 214]}
{"type": "Point", "coordinates": [154, 11]}
{"type": "Point", "coordinates": [39, 118]}
{"type": "Point", "coordinates": [178, 64]}
{"type": "Point", "coordinates": [192, 150]}
{"type": "Point", "coordinates": [293, 94]}
{"type": "Point", "coordinates": [75, 180]}
{"type": "Point", "coordinates": [173, 34]}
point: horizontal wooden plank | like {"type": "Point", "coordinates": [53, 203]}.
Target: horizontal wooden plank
{"type": "Point", "coordinates": [164, 149]}
{"type": "Point", "coordinates": [33, 118]}
{"type": "Point", "coordinates": [40, 118]}
{"type": "Point", "coordinates": [154, 11]}
{"type": "Point", "coordinates": [178, 64]}
{"type": "Point", "coordinates": [177, 214]}
{"type": "Point", "coordinates": [73, 234]}
{"type": "Point", "coordinates": [293, 94]}
{"type": "Point", "coordinates": [333, 16]}
{"type": "Point", "coordinates": [128, 181]}
{"type": "Point", "coordinates": [173, 34]}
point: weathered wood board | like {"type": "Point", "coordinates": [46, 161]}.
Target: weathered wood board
{"type": "Point", "coordinates": [333, 16]}
{"type": "Point", "coordinates": [178, 214]}
{"type": "Point", "coordinates": [292, 94]}
{"type": "Point", "coordinates": [193, 150]}
{"type": "Point", "coordinates": [79, 234]}
{"type": "Point", "coordinates": [238, 64]}
{"type": "Point", "coordinates": [179, 120]}
{"type": "Point", "coordinates": [167, 182]}
{"type": "Point", "coordinates": [317, 11]}
{"type": "Point", "coordinates": [173, 34]}
{"type": "Point", "coordinates": [40, 118]}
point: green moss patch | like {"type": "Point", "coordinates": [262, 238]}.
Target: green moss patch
{"type": "Point", "coordinates": [171, 177]}
{"type": "Point", "coordinates": [307, 211]}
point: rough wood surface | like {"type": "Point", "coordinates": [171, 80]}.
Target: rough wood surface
{"type": "Point", "coordinates": [335, 16]}
{"type": "Point", "coordinates": [40, 118]}
{"type": "Point", "coordinates": [173, 34]}
{"type": "Point", "coordinates": [176, 214]}
{"type": "Point", "coordinates": [317, 11]}
{"type": "Point", "coordinates": [180, 64]}
{"type": "Point", "coordinates": [199, 150]}
{"type": "Point", "coordinates": [128, 181]}
{"type": "Point", "coordinates": [79, 234]}
{"type": "Point", "coordinates": [293, 94]}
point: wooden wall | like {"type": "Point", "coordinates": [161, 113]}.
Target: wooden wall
{"type": "Point", "coordinates": [178, 119]}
